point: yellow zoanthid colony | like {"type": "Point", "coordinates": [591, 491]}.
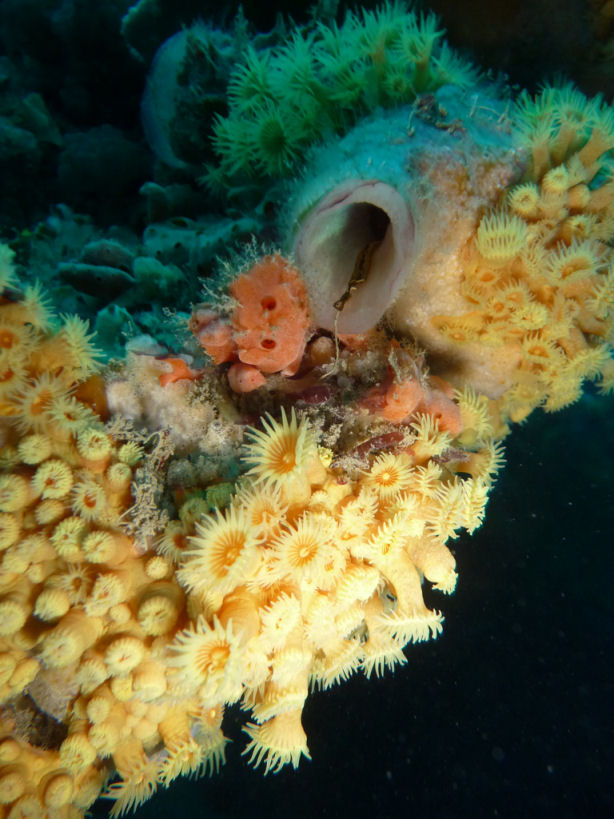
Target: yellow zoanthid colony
{"type": "Point", "coordinates": [538, 277]}
{"type": "Point", "coordinates": [305, 580]}
{"type": "Point", "coordinates": [119, 650]}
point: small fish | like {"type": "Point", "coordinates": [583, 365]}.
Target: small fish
{"type": "Point", "coordinates": [362, 266]}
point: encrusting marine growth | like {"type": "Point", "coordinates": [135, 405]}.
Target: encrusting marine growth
{"type": "Point", "coordinates": [130, 652]}
{"type": "Point", "coordinates": [182, 533]}
{"type": "Point", "coordinates": [538, 280]}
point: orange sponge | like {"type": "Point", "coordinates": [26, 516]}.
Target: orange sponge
{"type": "Point", "coordinates": [271, 321]}
{"type": "Point", "coordinates": [401, 400]}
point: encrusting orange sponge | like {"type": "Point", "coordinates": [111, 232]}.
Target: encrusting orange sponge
{"type": "Point", "coordinates": [268, 327]}
{"type": "Point", "coordinates": [272, 318]}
